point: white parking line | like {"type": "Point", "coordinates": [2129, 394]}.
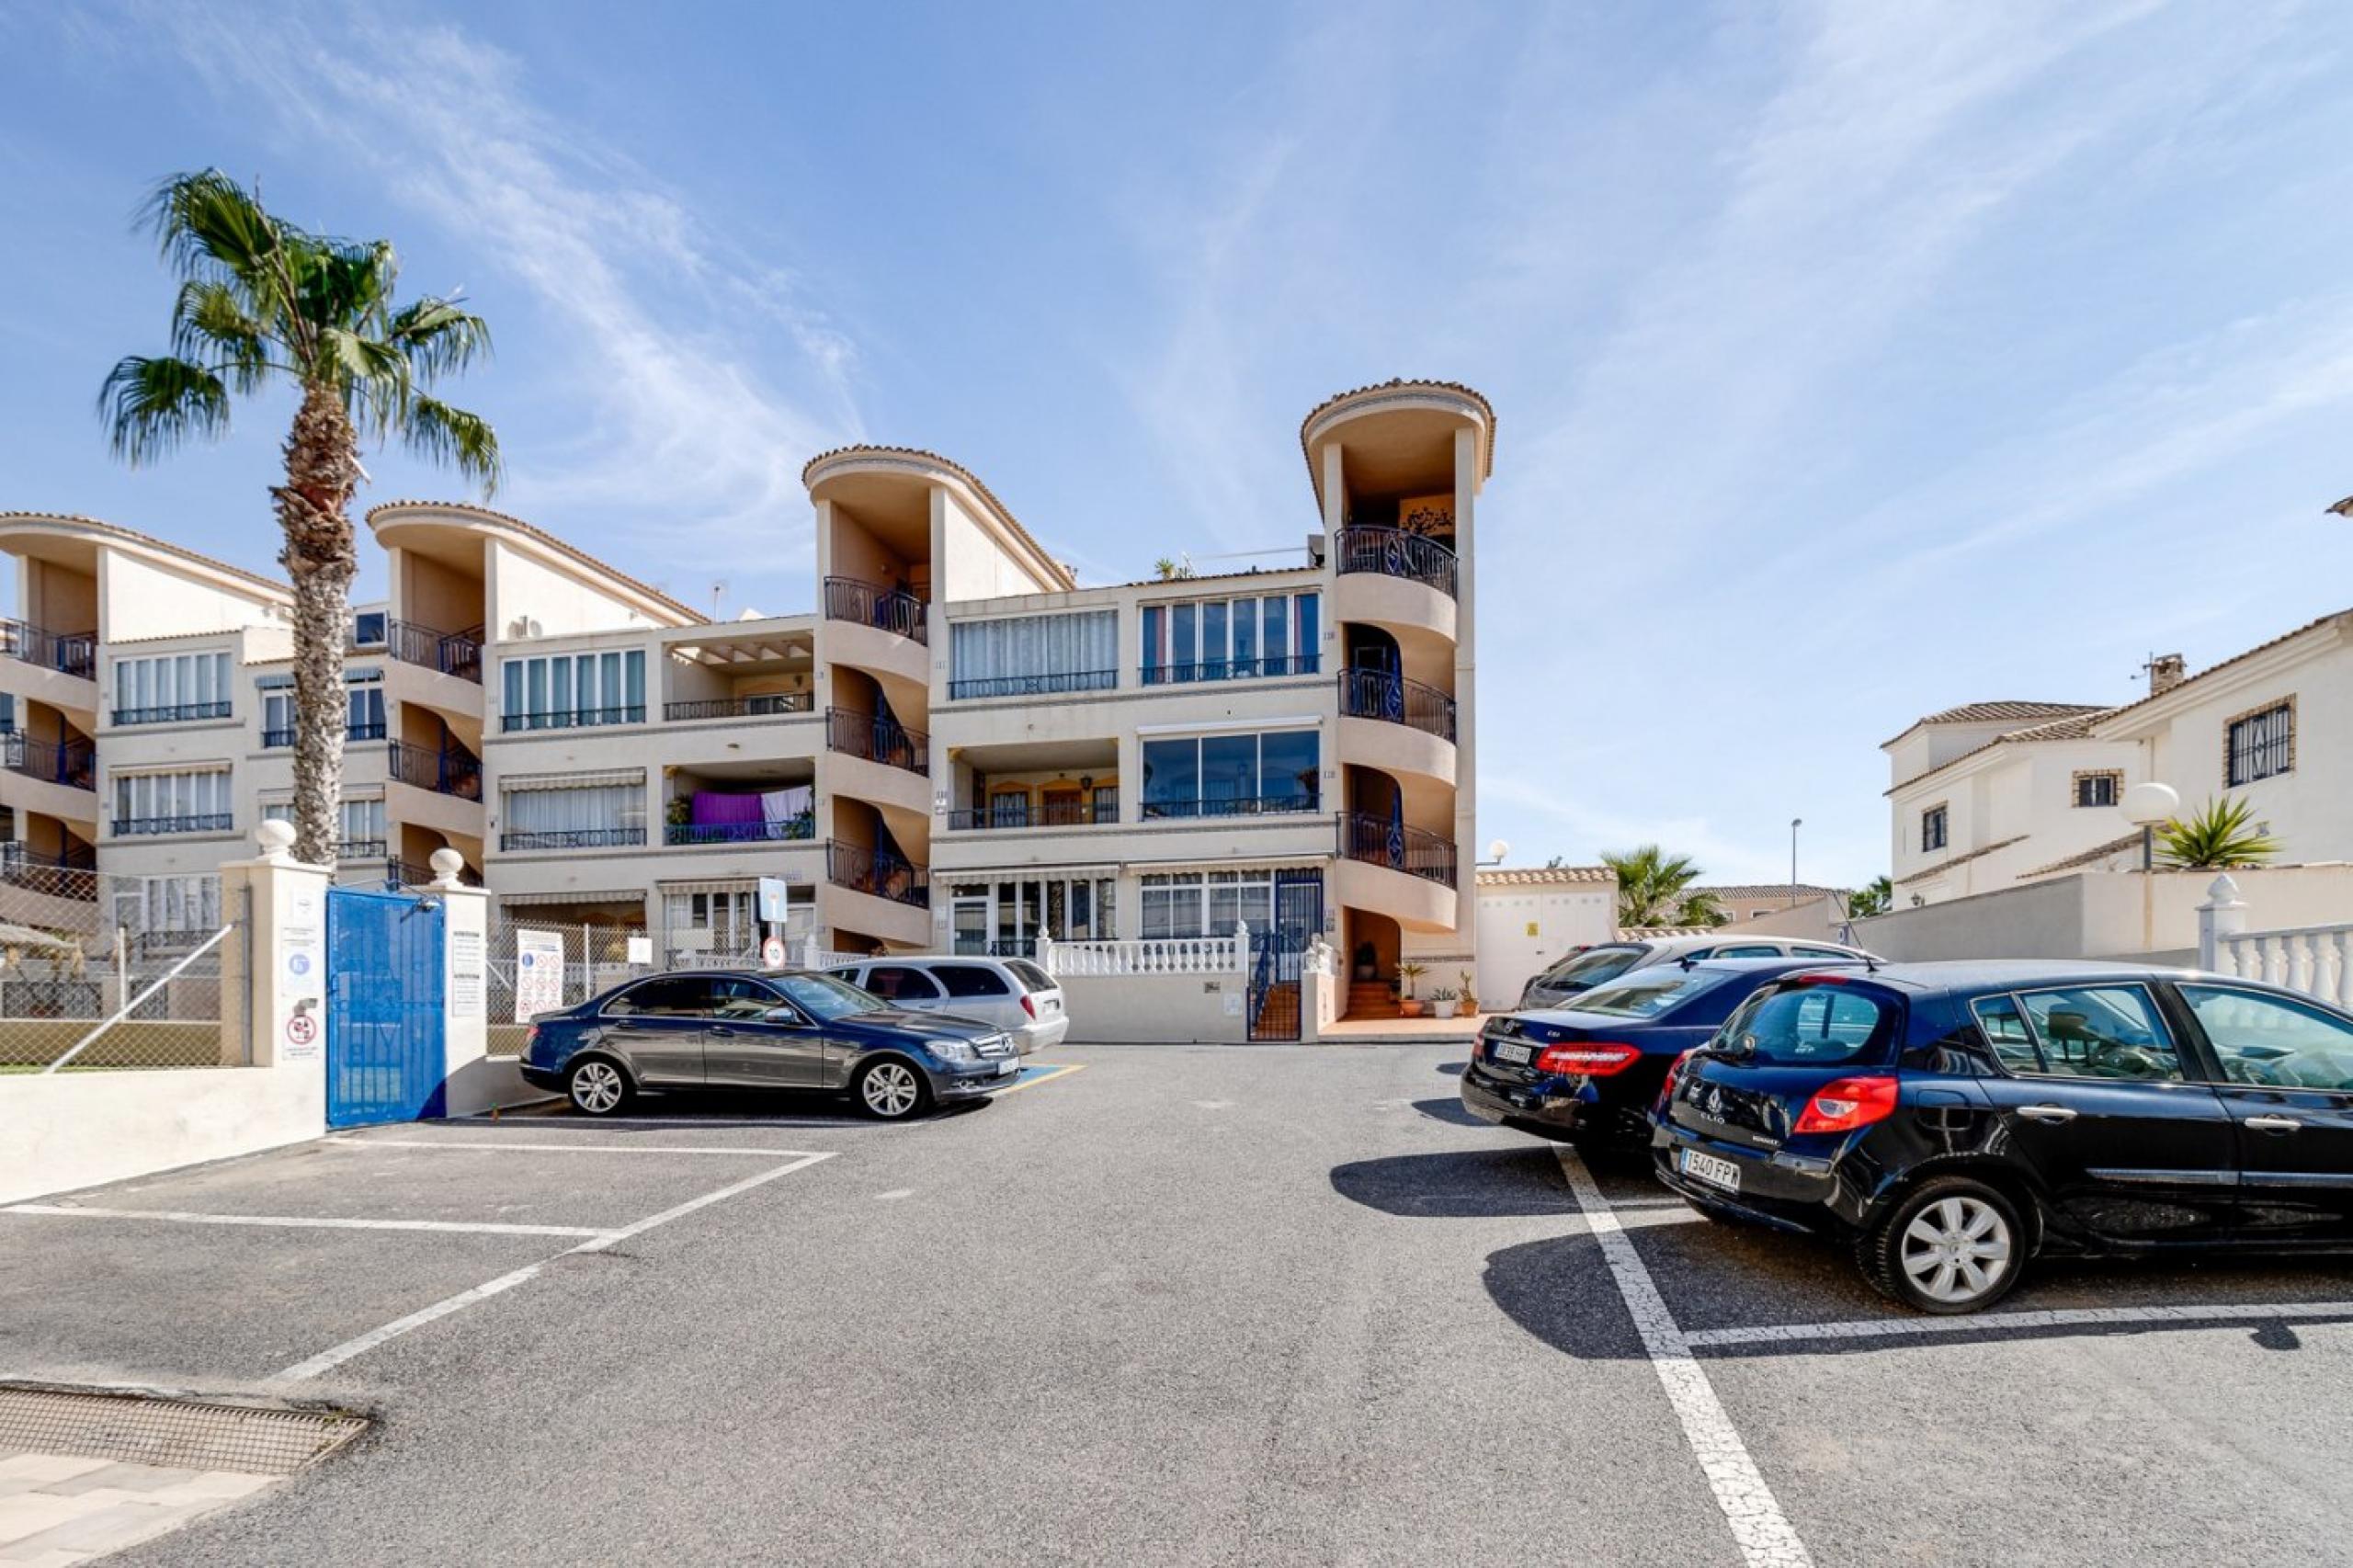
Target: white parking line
{"type": "Point", "coordinates": [302, 1222]}
{"type": "Point", "coordinates": [337, 1354]}
{"type": "Point", "coordinates": [2065, 1317]}
{"type": "Point", "coordinates": [565, 1148]}
{"type": "Point", "coordinates": [1766, 1538]}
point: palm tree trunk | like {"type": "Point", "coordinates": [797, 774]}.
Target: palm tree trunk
{"type": "Point", "coordinates": [322, 469]}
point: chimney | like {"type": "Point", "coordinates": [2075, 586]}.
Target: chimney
{"type": "Point", "coordinates": [2165, 672]}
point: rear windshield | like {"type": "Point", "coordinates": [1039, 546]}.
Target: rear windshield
{"type": "Point", "coordinates": [1030, 975]}
{"type": "Point", "coordinates": [1648, 994]}
{"type": "Point", "coordinates": [1589, 968]}
{"type": "Point", "coordinates": [1814, 1025]}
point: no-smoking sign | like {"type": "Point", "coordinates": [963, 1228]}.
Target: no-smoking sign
{"type": "Point", "coordinates": [301, 1029]}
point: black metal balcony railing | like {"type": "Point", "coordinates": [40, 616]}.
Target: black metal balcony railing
{"type": "Point", "coordinates": [786, 828]}
{"type": "Point", "coordinates": [452, 770]}
{"type": "Point", "coordinates": [140, 827]}
{"type": "Point", "coordinates": [1033, 686]}
{"type": "Point", "coordinates": [1379, 841]}
{"type": "Point", "coordinates": [877, 739]}
{"type": "Point", "coordinates": [71, 875]}
{"type": "Point", "coordinates": [178, 713]}
{"type": "Point", "coordinates": [1017, 813]}
{"type": "Point", "coordinates": [1377, 694]}
{"type": "Point", "coordinates": [1393, 552]}
{"type": "Point", "coordinates": [573, 838]}
{"type": "Point", "coordinates": [1234, 806]}
{"type": "Point", "coordinates": [1232, 669]}
{"type": "Point", "coordinates": [455, 653]}
{"type": "Point", "coordinates": [361, 849]}
{"type": "Point", "coordinates": [73, 763]}
{"type": "Point", "coordinates": [72, 653]}
{"type": "Point", "coordinates": [573, 718]}
{"type": "Point", "coordinates": [878, 873]}
{"type": "Point", "coordinates": [760, 707]}
{"type": "Point", "coordinates": [869, 604]}
{"type": "Point", "coordinates": [367, 729]}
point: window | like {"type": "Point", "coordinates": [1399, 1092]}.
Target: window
{"type": "Point", "coordinates": [2005, 1030]}
{"type": "Point", "coordinates": [1021, 656]}
{"type": "Point", "coordinates": [1031, 977]}
{"type": "Point", "coordinates": [1748, 950]}
{"type": "Point", "coordinates": [192, 801]}
{"type": "Point", "coordinates": [971, 980]}
{"type": "Point", "coordinates": [143, 904]}
{"type": "Point", "coordinates": [669, 996]}
{"type": "Point", "coordinates": [2098, 789]}
{"type": "Point", "coordinates": [2262, 745]}
{"type": "Point", "coordinates": [1591, 967]}
{"type": "Point", "coordinates": [1812, 1025]}
{"type": "Point", "coordinates": [2272, 1042]}
{"type": "Point", "coordinates": [1646, 995]}
{"type": "Point", "coordinates": [897, 982]}
{"type": "Point", "coordinates": [724, 922]}
{"type": "Point", "coordinates": [2099, 1031]}
{"type": "Point", "coordinates": [1004, 919]}
{"type": "Point", "coordinates": [1261, 634]}
{"type": "Point", "coordinates": [570, 691]}
{"type": "Point", "coordinates": [746, 999]}
{"type": "Point", "coordinates": [171, 687]}
{"type": "Point", "coordinates": [363, 707]}
{"type": "Point", "coordinates": [1932, 828]}
{"type": "Point", "coordinates": [1206, 903]}
{"type": "Point", "coordinates": [584, 818]}
{"type": "Point", "coordinates": [1217, 775]}
{"type": "Point", "coordinates": [368, 627]}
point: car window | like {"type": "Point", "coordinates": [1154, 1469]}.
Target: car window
{"type": "Point", "coordinates": [847, 972]}
{"type": "Point", "coordinates": [824, 998]}
{"type": "Point", "coordinates": [1590, 968]}
{"type": "Point", "coordinates": [2005, 1030]}
{"type": "Point", "coordinates": [2272, 1041]}
{"type": "Point", "coordinates": [667, 997]}
{"type": "Point", "coordinates": [1812, 1025]}
{"type": "Point", "coordinates": [1804, 951]}
{"type": "Point", "coordinates": [1030, 975]}
{"type": "Point", "coordinates": [897, 982]}
{"type": "Point", "coordinates": [1747, 951]}
{"type": "Point", "coordinates": [971, 980]}
{"type": "Point", "coordinates": [737, 998]}
{"type": "Point", "coordinates": [1647, 993]}
{"type": "Point", "coordinates": [2101, 1031]}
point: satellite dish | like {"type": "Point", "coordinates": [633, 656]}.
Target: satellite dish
{"type": "Point", "coordinates": [1497, 850]}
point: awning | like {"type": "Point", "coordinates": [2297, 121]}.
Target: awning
{"type": "Point", "coordinates": [799, 880]}
{"type": "Point", "coordinates": [606, 779]}
{"type": "Point", "coordinates": [590, 895]}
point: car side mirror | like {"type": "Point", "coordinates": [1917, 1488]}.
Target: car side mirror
{"type": "Point", "coordinates": [783, 1015]}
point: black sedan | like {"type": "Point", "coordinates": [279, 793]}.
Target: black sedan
{"type": "Point", "coordinates": [1951, 1121]}
{"type": "Point", "coordinates": [758, 1030]}
{"type": "Point", "coordinates": [1593, 1068]}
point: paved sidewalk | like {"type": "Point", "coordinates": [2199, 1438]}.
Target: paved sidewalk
{"type": "Point", "coordinates": [57, 1509]}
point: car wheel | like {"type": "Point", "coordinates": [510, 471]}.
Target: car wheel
{"type": "Point", "coordinates": [1952, 1245]}
{"type": "Point", "coordinates": [892, 1091]}
{"type": "Point", "coordinates": [597, 1087]}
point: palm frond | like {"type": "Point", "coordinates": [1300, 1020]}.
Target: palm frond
{"type": "Point", "coordinates": [438, 338]}
{"type": "Point", "coordinates": [208, 225]}
{"type": "Point", "coordinates": [211, 325]}
{"type": "Point", "coordinates": [152, 407]}
{"type": "Point", "coordinates": [434, 429]}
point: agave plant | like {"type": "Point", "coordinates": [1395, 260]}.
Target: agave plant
{"type": "Point", "coordinates": [2218, 835]}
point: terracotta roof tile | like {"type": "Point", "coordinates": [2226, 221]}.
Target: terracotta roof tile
{"type": "Point", "coordinates": [1995, 712]}
{"type": "Point", "coordinates": [2095, 853]}
{"type": "Point", "coordinates": [1766, 889]}
{"type": "Point", "coordinates": [134, 536]}
{"type": "Point", "coordinates": [2076, 726]}
{"type": "Point", "coordinates": [1398, 383]}
{"type": "Point", "coordinates": [960, 471]}
{"type": "Point", "coordinates": [693, 616]}
{"type": "Point", "coordinates": [1943, 866]}
{"type": "Point", "coordinates": [1544, 876]}
{"type": "Point", "coordinates": [2309, 626]}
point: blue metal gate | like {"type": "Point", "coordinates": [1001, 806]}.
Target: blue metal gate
{"type": "Point", "coordinates": [385, 1061]}
{"type": "Point", "coordinates": [1275, 954]}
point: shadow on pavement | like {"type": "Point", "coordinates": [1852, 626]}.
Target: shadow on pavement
{"type": "Point", "coordinates": [718, 1108]}
{"type": "Point", "coordinates": [1449, 1111]}
{"type": "Point", "coordinates": [1472, 1184]}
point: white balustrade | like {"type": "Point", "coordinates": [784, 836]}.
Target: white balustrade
{"type": "Point", "coordinates": [1150, 955]}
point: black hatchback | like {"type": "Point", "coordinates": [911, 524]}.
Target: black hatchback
{"type": "Point", "coordinates": [1952, 1120]}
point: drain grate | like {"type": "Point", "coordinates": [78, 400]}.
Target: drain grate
{"type": "Point", "coordinates": [181, 1434]}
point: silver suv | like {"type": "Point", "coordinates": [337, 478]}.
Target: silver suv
{"type": "Point", "coordinates": [1012, 994]}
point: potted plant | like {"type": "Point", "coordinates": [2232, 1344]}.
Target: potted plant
{"type": "Point", "coordinates": [679, 811]}
{"type": "Point", "coordinates": [1408, 1005]}
{"type": "Point", "coordinates": [1470, 995]}
{"type": "Point", "coordinates": [1442, 1001]}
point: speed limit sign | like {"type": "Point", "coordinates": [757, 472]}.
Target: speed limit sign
{"type": "Point", "coordinates": [772, 953]}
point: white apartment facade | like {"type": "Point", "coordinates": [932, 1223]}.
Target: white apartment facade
{"type": "Point", "coordinates": [958, 748]}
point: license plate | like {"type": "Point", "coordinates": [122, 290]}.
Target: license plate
{"type": "Point", "coordinates": [1007, 1069]}
{"type": "Point", "coordinates": [1710, 1169]}
{"type": "Point", "coordinates": [1506, 1052]}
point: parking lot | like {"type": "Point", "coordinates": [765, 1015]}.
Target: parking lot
{"type": "Point", "coordinates": [1190, 1305]}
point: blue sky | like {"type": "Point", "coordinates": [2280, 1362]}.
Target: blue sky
{"type": "Point", "coordinates": [1851, 360]}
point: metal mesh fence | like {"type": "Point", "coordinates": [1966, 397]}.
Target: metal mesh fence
{"type": "Point", "coordinates": [179, 1434]}
{"type": "Point", "coordinates": [98, 971]}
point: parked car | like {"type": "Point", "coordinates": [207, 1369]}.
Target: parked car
{"type": "Point", "coordinates": [1012, 994]}
{"type": "Point", "coordinates": [1594, 1067]}
{"type": "Point", "coordinates": [753, 1029]}
{"type": "Point", "coordinates": [1603, 962]}
{"type": "Point", "coordinates": [1952, 1120]}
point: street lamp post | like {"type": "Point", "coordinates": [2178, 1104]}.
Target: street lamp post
{"type": "Point", "coordinates": [1795, 823]}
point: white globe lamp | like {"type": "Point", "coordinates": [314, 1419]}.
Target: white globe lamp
{"type": "Point", "coordinates": [2147, 806]}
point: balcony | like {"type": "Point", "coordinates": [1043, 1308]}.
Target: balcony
{"type": "Point", "coordinates": [452, 771]}
{"type": "Point", "coordinates": [1103, 810]}
{"type": "Point", "coordinates": [68, 653]}
{"type": "Point", "coordinates": [572, 719]}
{"type": "Point", "coordinates": [1033, 686]}
{"type": "Point", "coordinates": [762, 707]}
{"type": "Point", "coordinates": [73, 763]}
{"type": "Point", "coordinates": [868, 604]}
{"type": "Point", "coordinates": [1377, 694]}
{"type": "Point", "coordinates": [782, 831]}
{"type": "Point", "coordinates": [574, 839]}
{"type": "Point", "coordinates": [1394, 553]}
{"type": "Point", "coordinates": [1289, 804]}
{"type": "Point", "coordinates": [362, 849]}
{"type": "Point", "coordinates": [1232, 669]}
{"type": "Point", "coordinates": [144, 827]}
{"type": "Point", "coordinates": [1377, 841]}
{"type": "Point", "coordinates": [372, 730]}
{"type": "Point", "coordinates": [455, 653]}
{"type": "Point", "coordinates": [178, 713]}
{"type": "Point", "coordinates": [878, 874]}
{"type": "Point", "coordinates": [877, 739]}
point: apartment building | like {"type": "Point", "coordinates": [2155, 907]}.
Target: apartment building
{"type": "Point", "coordinates": [960, 747]}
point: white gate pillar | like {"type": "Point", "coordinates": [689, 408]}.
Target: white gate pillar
{"type": "Point", "coordinates": [2223, 915]}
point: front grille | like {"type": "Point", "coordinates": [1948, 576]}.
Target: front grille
{"type": "Point", "coordinates": [996, 1045]}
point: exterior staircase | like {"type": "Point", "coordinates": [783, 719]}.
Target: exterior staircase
{"type": "Point", "coordinates": [1370, 999]}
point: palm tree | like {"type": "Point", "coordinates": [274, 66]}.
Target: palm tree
{"type": "Point", "coordinates": [2219, 834]}
{"type": "Point", "coordinates": [262, 301]}
{"type": "Point", "coordinates": [1874, 897]}
{"type": "Point", "coordinates": [1651, 890]}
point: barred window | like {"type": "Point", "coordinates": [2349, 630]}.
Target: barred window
{"type": "Point", "coordinates": [2097, 789]}
{"type": "Point", "coordinates": [2263, 745]}
{"type": "Point", "coordinates": [1932, 828]}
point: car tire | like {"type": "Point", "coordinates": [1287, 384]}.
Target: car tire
{"type": "Point", "coordinates": [1712, 1215]}
{"type": "Point", "coordinates": [893, 1090]}
{"type": "Point", "coordinates": [597, 1087]}
{"type": "Point", "coordinates": [1950, 1246]}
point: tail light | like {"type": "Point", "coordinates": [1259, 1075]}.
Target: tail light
{"type": "Point", "coordinates": [1845, 1103]}
{"type": "Point", "coordinates": [1674, 1070]}
{"type": "Point", "coordinates": [1591, 1057]}
{"type": "Point", "coordinates": [1028, 1003]}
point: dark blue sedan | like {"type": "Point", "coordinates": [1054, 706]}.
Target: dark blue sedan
{"type": "Point", "coordinates": [1592, 1070]}
{"type": "Point", "coordinates": [757, 1029]}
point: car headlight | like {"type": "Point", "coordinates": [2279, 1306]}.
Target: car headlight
{"type": "Point", "coordinates": [949, 1049]}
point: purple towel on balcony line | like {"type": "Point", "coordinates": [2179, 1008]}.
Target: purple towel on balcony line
{"type": "Point", "coordinates": [712, 809]}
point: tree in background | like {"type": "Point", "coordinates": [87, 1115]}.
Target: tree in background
{"type": "Point", "coordinates": [2218, 835]}
{"type": "Point", "coordinates": [1874, 897]}
{"type": "Point", "coordinates": [263, 302]}
{"type": "Point", "coordinates": [1653, 889]}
